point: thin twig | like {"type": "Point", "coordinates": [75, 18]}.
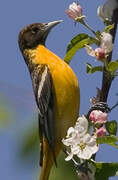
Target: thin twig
{"type": "Point", "coordinates": [114, 106]}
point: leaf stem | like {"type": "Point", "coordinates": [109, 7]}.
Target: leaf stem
{"type": "Point", "coordinates": [88, 26]}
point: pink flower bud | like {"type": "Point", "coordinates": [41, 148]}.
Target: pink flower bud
{"type": "Point", "coordinates": [101, 132]}
{"type": "Point", "coordinates": [99, 53]}
{"type": "Point", "coordinates": [74, 11]}
{"type": "Point", "coordinates": [98, 117]}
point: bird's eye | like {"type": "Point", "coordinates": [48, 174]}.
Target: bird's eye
{"type": "Point", "coordinates": [35, 30]}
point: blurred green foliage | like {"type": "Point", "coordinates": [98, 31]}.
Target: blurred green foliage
{"type": "Point", "coordinates": [30, 143]}
{"type": "Point", "coordinates": [6, 112]}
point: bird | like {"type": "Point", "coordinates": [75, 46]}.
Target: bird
{"type": "Point", "coordinates": [56, 90]}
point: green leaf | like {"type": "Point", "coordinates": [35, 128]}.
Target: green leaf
{"type": "Point", "coordinates": [110, 140]}
{"type": "Point", "coordinates": [76, 43]}
{"type": "Point", "coordinates": [114, 145]}
{"type": "Point", "coordinates": [90, 69]}
{"type": "Point", "coordinates": [113, 66]}
{"type": "Point", "coordinates": [111, 127]}
{"type": "Point", "coordinates": [98, 34]}
{"type": "Point", "coordinates": [106, 170]}
{"type": "Point", "coordinates": [108, 28]}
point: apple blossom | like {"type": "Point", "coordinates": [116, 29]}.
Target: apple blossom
{"type": "Point", "coordinates": [105, 12]}
{"type": "Point", "coordinates": [74, 11]}
{"type": "Point", "coordinates": [81, 143]}
{"type": "Point", "coordinates": [106, 47]}
{"type": "Point", "coordinates": [101, 132]}
{"type": "Point", "coordinates": [99, 53]}
{"type": "Point", "coordinates": [98, 117]}
{"type": "Point", "coordinates": [85, 147]}
{"type": "Point", "coordinates": [80, 129]}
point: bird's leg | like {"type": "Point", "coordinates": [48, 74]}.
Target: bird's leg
{"type": "Point", "coordinates": [102, 106]}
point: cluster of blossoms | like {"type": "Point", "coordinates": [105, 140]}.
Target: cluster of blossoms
{"type": "Point", "coordinates": [82, 143]}
{"type": "Point", "coordinates": [99, 118]}
{"type": "Point", "coordinates": [75, 12]}
{"type": "Point", "coordinates": [81, 139]}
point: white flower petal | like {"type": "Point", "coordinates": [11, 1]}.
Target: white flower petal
{"type": "Point", "coordinates": [106, 42]}
{"type": "Point", "coordinates": [83, 121]}
{"type": "Point", "coordinates": [105, 12]}
{"type": "Point", "coordinates": [89, 50]}
{"type": "Point", "coordinates": [67, 142]}
{"type": "Point", "coordinates": [69, 157]}
{"type": "Point", "coordinates": [90, 148]}
{"type": "Point", "coordinates": [86, 138]}
{"type": "Point", "coordinates": [75, 9]}
{"type": "Point", "coordinates": [92, 141]}
{"type": "Point", "coordinates": [109, 7]}
{"type": "Point", "coordinates": [84, 154]}
{"type": "Point", "coordinates": [100, 13]}
{"type": "Point", "coordinates": [94, 148]}
{"type": "Point", "coordinates": [87, 153]}
{"type": "Point", "coordinates": [75, 149]}
{"type": "Point", "coordinates": [81, 125]}
{"type": "Point", "coordinates": [70, 130]}
{"type": "Point", "coordinates": [73, 6]}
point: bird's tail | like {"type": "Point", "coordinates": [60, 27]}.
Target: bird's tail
{"type": "Point", "coordinates": [48, 162]}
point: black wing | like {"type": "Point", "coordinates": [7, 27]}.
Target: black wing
{"type": "Point", "coordinates": [43, 90]}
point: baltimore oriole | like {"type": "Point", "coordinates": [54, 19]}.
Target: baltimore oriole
{"type": "Point", "coordinates": [56, 91]}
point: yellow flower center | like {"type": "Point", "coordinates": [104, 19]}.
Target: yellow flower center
{"type": "Point", "coordinates": [82, 145]}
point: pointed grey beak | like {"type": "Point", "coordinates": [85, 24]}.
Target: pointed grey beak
{"type": "Point", "coordinates": [50, 25]}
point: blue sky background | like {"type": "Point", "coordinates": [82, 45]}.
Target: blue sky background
{"type": "Point", "coordinates": [15, 83]}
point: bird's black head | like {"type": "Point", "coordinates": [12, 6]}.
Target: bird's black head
{"type": "Point", "coordinates": [34, 34]}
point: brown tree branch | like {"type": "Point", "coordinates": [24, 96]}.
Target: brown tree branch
{"type": "Point", "coordinates": [107, 77]}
